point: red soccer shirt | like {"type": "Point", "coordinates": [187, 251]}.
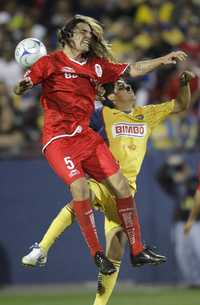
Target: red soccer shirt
{"type": "Point", "coordinates": [69, 91]}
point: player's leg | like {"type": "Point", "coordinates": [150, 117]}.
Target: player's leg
{"type": "Point", "coordinates": [61, 222]}
{"type": "Point", "coordinates": [39, 251]}
{"type": "Point", "coordinates": [67, 165]}
{"type": "Point", "coordinates": [115, 244]}
{"type": "Point", "coordinates": [115, 240]}
{"type": "Point", "coordinates": [103, 167]}
{"type": "Point", "coordinates": [104, 201]}
{"type": "Point", "coordinates": [126, 210]}
{"type": "Point", "coordinates": [128, 214]}
{"type": "Point", "coordinates": [38, 254]}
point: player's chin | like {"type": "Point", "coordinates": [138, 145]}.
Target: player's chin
{"type": "Point", "coordinates": [131, 95]}
{"type": "Point", "coordinates": [85, 48]}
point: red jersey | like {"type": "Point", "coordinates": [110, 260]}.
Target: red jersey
{"type": "Point", "coordinates": [69, 91]}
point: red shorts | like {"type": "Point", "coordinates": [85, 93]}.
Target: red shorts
{"type": "Point", "coordinates": [85, 153]}
{"type": "Point", "coordinates": [198, 187]}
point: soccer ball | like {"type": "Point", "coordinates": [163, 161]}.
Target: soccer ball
{"type": "Point", "coordinates": [28, 51]}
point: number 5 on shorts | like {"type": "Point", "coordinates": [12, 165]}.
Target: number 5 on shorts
{"type": "Point", "coordinates": [69, 163]}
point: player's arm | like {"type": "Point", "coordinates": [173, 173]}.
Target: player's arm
{"type": "Point", "coordinates": [145, 66]}
{"type": "Point", "coordinates": [36, 75]}
{"type": "Point", "coordinates": [194, 213]}
{"type": "Point", "coordinates": [183, 99]}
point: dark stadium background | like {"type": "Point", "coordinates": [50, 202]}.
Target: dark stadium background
{"type": "Point", "coordinates": [31, 194]}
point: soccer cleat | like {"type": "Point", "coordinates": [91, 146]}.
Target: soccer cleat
{"type": "Point", "coordinates": [103, 263]}
{"type": "Point", "coordinates": [147, 256]}
{"type": "Point", "coordinates": [152, 252]}
{"type": "Point", "coordinates": [35, 258]}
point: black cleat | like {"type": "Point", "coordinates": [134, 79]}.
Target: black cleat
{"type": "Point", "coordinates": [152, 252]}
{"type": "Point", "coordinates": [103, 263]}
{"type": "Point", "coordinates": [147, 256]}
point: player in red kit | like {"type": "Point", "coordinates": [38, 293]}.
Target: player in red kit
{"type": "Point", "coordinates": [69, 79]}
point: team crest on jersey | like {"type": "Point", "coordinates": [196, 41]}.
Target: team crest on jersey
{"type": "Point", "coordinates": [132, 130]}
{"type": "Point", "coordinates": [98, 70]}
{"type": "Point", "coordinates": [67, 70]}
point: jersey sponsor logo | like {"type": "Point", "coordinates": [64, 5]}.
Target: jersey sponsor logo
{"type": "Point", "coordinates": [69, 72]}
{"type": "Point", "coordinates": [134, 130]}
{"type": "Point", "coordinates": [70, 75]}
{"type": "Point", "coordinates": [98, 70]}
{"type": "Point", "coordinates": [68, 69]}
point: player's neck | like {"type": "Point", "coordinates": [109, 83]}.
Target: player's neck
{"type": "Point", "coordinates": [73, 53]}
{"type": "Point", "coordinates": [125, 108]}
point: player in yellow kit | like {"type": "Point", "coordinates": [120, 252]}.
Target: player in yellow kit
{"type": "Point", "coordinates": [127, 129]}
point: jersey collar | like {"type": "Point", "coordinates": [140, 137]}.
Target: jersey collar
{"type": "Point", "coordinates": [76, 61]}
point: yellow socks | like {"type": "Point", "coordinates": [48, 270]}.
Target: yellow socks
{"type": "Point", "coordinates": [106, 284]}
{"type": "Point", "coordinates": [63, 220]}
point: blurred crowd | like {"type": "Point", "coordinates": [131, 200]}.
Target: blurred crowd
{"type": "Point", "coordinates": [137, 30]}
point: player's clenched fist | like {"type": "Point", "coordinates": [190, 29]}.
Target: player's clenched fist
{"type": "Point", "coordinates": [186, 77]}
{"type": "Point", "coordinates": [23, 85]}
{"type": "Point", "coordinates": [173, 57]}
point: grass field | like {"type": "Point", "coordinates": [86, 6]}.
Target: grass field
{"type": "Point", "coordinates": [132, 296]}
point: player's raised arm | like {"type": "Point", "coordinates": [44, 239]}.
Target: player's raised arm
{"type": "Point", "coordinates": [194, 213]}
{"type": "Point", "coordinates": [145, 66]}
{"type": "Point", "coordinates": [183, 99]}
{"type": "Point", "coordinates": [38, 72]}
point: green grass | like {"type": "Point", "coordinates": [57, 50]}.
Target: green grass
{"type": "Point", "coordinates": [145, 296]}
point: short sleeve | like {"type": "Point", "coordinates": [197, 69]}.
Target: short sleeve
{"type": "Point", "coordinates": [111, 72]}
{"type": "Point", "coordinates": [40, 70]}
{"type": "Point", "coordinates": [155, 114]}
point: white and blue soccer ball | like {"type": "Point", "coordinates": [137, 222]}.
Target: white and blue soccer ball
{"type": "Point", "coordinates": [28, 51]}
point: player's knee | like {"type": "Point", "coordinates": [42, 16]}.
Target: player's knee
{"type": "Point", "coordinates": [80, 189]}
{"type": "Point", "coordinates": [116, 247]}
{"type": "Point", "coordinates": [122, 187]}
{"type": "Point", "coordinates": [115, 254]}
{"type": "Point", "coordinates": [123, 190]}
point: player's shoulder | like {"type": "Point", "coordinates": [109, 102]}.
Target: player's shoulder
{"type": "Point", "coordinates": [99, 61]}
{"type": "Point", "coordinates": [110, 111]}
{"type": "Point", "coordinates": [55, 55]}
{"type": "Point", "coordinates": [143, 113]}
{"type": "Point", "coordinates": [96, 59]}
{"type": "Point", "coordinates": [153, 107]}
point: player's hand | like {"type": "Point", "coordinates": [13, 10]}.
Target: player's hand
{"type": "Point", "coordinates": [173, 57]}
{"type": "Point", "coordinates": [187, 227]}
{"type": "Point", "coordinates": [23, 85]}
{"type": "Point", "coordinates": [186, 77]}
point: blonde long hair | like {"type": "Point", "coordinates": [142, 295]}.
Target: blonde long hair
{"type": "Point", "coordinates": [99, 47]}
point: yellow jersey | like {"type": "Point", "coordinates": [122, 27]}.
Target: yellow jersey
{"type": "Point", "coordinates": [127, 134]}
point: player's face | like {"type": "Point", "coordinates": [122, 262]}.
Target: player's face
{"type": "Point", "coordinates": [124, 93]}
{"type": "Point", "coordinates": [81, 38]}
